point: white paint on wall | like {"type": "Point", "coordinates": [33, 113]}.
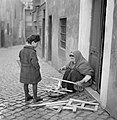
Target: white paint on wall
{"type": "Point", "coordinates": [85, 27]}
{"type": "Point", "coordinates": [107, 52]}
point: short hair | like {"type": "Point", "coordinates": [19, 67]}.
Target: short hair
{"type": "Point", "coordinates": [31, 38]}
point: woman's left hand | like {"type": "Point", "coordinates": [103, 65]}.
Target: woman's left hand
{"type": "Point", "coordinates": [85, 79]}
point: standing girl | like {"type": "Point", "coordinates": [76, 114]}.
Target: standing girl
{"type": "Point", "coordinates": [30, 68]}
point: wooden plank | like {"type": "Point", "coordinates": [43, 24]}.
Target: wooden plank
{"type": "Point", "coordinates": [93, 101]}
{"type": "Point", "coordinates": [86, 108]}
{"type": "Point", "coordinates": [69, 103]}
{"type": "Point", "coordinates": [83, 103]}
{"type": "Point", "coordinates": [86, 102]}
{"type": "Point", "coordinates": [55, 104]}
{"type": "Point", "coordinates": [50, 90]}
{"type": "Point", "coordinates": [68, 107]}
{"type": "Point", "coordinates": [63, 89]}
{"type": "Point", "coordinates": [74, 108]}
{"type": "Point", "coordinates": [60, 109]}
{"type": "Point", "coordinates": [64, 80]}
{"type": "Point", "coordinates": [48, 103]}
{"type": "Point", "coordinates": [96, 108]}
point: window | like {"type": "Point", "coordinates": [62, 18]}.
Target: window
{"type": "Point", "coordinates": [15, 13]}
{"type": "Point", "coordinates": [7, 28]}
{"type": "Point", "coordinates": [63, 33]}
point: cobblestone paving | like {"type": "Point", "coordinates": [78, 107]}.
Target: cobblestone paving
{"type": "Point", "coordinates": [12, 104]}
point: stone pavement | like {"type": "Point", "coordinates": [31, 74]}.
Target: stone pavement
{"type": "Point", "coordinates": [12, 104]}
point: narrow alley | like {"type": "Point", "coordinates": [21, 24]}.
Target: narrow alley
{"type": "Point", "coordinates": [12, 103]}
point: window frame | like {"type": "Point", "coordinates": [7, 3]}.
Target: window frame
{"type": "Point", "coordinates": [62, 32]}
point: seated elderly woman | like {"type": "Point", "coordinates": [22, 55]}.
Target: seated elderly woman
{"type": "Point", "coordinates": [77, 70]}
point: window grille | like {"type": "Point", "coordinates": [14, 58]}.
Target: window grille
{"type": "Point", "coordinates": [63, 33]}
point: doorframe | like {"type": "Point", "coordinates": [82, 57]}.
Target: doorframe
{"type": "Point", "coordinates": [107, 53]}
{"type": "Point", "coordinates": [84, 32]}
{"type": "Point", "coordinates": [2, 30]}
{"type": "Point", "coordinates": [2, 38]}
{"type": "Point", "coordinates": [97, 83]}
{"type": "Point", "coordinates": [49, 37]}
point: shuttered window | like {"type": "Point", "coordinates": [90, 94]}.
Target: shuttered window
{"type": "Point", "coordinates": [63, 33]}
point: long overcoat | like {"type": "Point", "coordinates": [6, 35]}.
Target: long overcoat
{"type": "Point", "coordinates": [30, 68]}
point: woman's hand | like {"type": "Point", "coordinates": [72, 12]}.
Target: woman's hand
{"type": "Point", "coordinates": [59, 85]}
{"type": "Point", "coordinates": [79, 83]}
{"type": "Point", "coordinates": [85, 79]}
{"type": "Point", "coordinates": [62, 68]}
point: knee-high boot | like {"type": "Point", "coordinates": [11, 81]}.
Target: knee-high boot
{"type": "Point", "coordinates": [26, 91]}
{"type": "Point", "coordinates": [35, 98]}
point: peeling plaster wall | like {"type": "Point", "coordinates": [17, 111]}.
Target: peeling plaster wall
{"type": "Point", "coordinates": [85, 27]}
{"type": "Point", "coordinates": [63, 9]}
{"type": "Point", "coordinates": [112, 85]}
{"type": "Point", "coordinates": [8, 10]}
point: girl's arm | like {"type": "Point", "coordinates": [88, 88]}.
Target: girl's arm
{"type": "Point", "coordinates": [34, 61]}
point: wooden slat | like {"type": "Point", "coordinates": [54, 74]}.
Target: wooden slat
{"type": "Point", "coordinates": [64, 80]}
{"type": "Point", "coordinates": [48, 103]}
{"type": "Point", "coordinates": [86, 102]}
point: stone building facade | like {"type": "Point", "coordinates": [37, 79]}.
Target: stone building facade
{"type": "Point", "coordinates": [88, 26]}
{"type": "Point", "coordinates": [11, 22]}
{"type": "Point", "coordinates": [39, 19]}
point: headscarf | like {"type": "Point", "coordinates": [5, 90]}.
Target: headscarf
{"type": "Point", "coordinates": [81, 64]}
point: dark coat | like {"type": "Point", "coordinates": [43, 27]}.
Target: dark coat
{"type": "Point", "coordinates": [30, 69]}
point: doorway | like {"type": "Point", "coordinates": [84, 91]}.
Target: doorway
{"type": "Point", "coordinates": [43, 38]}
{"type": "Point", "coordinates": [97, 40]}
{"type": "Point", "coordinates": [50, 38]}
{"type": "Point", "coordinates": [2, 38]}
{"type": "Point", "coordinates": [43, 35]}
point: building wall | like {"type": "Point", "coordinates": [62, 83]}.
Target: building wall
{"type": "Point", "coordinates": [84, 32]}
{"type": "Point", "coordinates": [18, 36]}
{"type": "Point", "coordinates": [60, 9]}
{"type": "Point", "coordinates": [38, 16]}
{"type": "Point", "coordinates": [28, 22]}
{"type": "Point", "coordinates": [11, 14]}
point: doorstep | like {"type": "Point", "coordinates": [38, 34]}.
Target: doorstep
{"type": "Point", "coordinates": [93, 93]}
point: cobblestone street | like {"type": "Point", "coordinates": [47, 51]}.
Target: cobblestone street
{"type": "Point", "coordinates": [12, 103]}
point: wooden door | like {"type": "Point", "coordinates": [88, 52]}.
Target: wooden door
{"type": "Point", "coordinates": [50, 38]}
{"type": "Point", "coordinates": [97, 40]}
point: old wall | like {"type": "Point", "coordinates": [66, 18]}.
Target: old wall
{"type": "Point", "coordinates": [112, 86]}
{"type": "Point", "coordinates": [11, 14]}
{"type": "Point", "coordinates": [63, 9]}
{"type": "Point", "coordinates": [84, 32]}
{"type": "Point", "coordinates": [18, 23]}
{"type": "Point", "coordinates": [38, 16]}
{"type": "Point", "coordinates": [28, 22]}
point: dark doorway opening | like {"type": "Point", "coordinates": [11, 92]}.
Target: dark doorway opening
{"type": "Point", "coordinates": [2, 39]}
{"type": "Point", "coordinates": [50, 39]}
{"type": "Point", "coordinates": [43, 35]}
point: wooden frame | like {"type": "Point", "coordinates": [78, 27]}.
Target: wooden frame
{"type": "Point", "coordinates": [68, 104]}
